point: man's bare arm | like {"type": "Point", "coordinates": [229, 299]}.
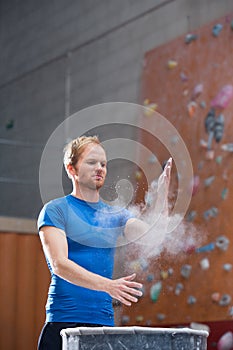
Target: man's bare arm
{"type": "Point", "coordinates": [136, 229]}
{"type": "Point", "coordinates": [56, 250]}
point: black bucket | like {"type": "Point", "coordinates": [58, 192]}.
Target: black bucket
{"type": "Point", "coordinates": [133, 338]}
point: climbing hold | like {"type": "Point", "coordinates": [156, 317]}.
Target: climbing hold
{"type": "Point", "coordinates": [179, 288]}
{"type": "Point", "coordinates": [225, 300]}
{"type": "Point", "coordinates": [225, 175]}
{"type": "Point", "coordinates": [209, 155]}
{"type": "Point", "coordinates": [195, 183]}
{"type": "Point", "coordinates": [150, 107]}
{"type": "Point", "coordinates": [209, 181]}
{"type": "Point", "coordinates": [210, 213]}
{"type": "Point", "coordinates": [222, 243]}
{"type": "Point", "coordinates": [170, 271]}
{"type": "Point", "coordinates": [197, 91]}
{"type": "Point", "coordinates": [225, 342]}
{"type": "Point", "coordinates": [139, 318]}
{"type": "Point", "coordinates": [191, 215]}
{"type": "Point", "coordinates": [214, 211]}
{"type": "Point", "coordinates": [138, 174]}
{"type": "Point", "coordinates": [174, 139]}
{"type": "Point", "coordinates": [191, 300]}
{"type": "Point", "coordinates": [125, 319]}
{"type": "Point", "coordinates": [164, 275]}
{"type": "Point", "coordinates": [160, 317]}
{"type": "Point", "coordinates": [155, 291]}
{"type": "Point", "coordinates": [203, 104]}
{"type": "Point", "coordinates": [206, 248]}
{"type": "Point", "coordinates": [172, 64]}
{"type": "Point", "coordinates": [209, 126]}
{"type": "Point", "coordinates": [190, 248]}
{"type": "Point", "coordinates": [190, 37]}
{"type": "Point", "coordinates": [200, 165]}
{"type": "Point", "coordinates": [143, 264]}
{"type": "Point", "coordinates": [152, 159]}
{"type": "Point", "coordinates": [185, 92]}
{"type": "Point", "coordinates": [135, 265]}
{"type": "Point", "coordinates": [192, 108]}
{"type": "Point", "coordinates": [227, 147]}
{"type": "Point", "coordinates": [205, 264]}
{"type": "Point", "coordinates": [227, 267]}
{"type": "Point", "coordinates": [203, 143]}
{"type": "Point", "coordinates": [232, 25]}
{"type": "Point", "coordinates": [183, 77]}
{"type": "Point", "coordinates": [185, 270]}
{"type": "Point", "coordinates": [218, 159]}
{"type": "Point", "coordinates": [215, 297]}
{"type": "Point", "coordinates": [219, 128]}
{"type": "Point", "coordinates": [150, 277]}
{"type": "Point", "coordinates": [138, 265]}
{"type": "Point", "coordinates": [224, 193]}
{"type": "Point", "coordinates": [217, 29]}
{"type": "Point", "coordinates": [149, 110]}
{"type": "Point", "coordinates": [222, 99]}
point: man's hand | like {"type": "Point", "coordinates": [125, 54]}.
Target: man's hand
{"type": "Point", "coordinates": [161, 204]}
{"type": "Point", "coordinates": [124, 289]}
{"type": "Point", "coordinates": [164, 179]}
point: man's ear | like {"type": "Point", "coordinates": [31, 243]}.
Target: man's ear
{"type": "Point", "coordinates": [71, 171]}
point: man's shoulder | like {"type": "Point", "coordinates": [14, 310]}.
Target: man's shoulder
{"type": "Point", "coordinates": [56, 203]}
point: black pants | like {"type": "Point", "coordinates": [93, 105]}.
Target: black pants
{"type": "Point", "coordinates": [50, 338]}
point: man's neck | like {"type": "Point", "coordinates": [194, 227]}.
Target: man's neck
{"type": "Point", "coordinates": [86, 195]}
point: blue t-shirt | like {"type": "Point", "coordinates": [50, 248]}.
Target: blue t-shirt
{"type": "Point", "coordinates": [92, 230]}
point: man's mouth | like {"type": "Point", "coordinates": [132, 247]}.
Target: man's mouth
{"type": "Point", "coordinates": [98, 177]}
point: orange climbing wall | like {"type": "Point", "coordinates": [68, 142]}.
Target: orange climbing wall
{"type": "Point", "coordinates": [207, 61]}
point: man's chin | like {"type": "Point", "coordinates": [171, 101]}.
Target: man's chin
{"type": "Point", "coordinates": [98, 185]}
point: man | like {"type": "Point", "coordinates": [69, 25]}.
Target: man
{"type": "Point", "coordinates": [78, 234]}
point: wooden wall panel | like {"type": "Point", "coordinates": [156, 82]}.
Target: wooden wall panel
{"type": "Point", "coordinates": [23, 292]}
{"type": "Point", "coordinates": [25, 287]}
{"type": "Point", "coordinates": [8, 272]}
{"type": "Point", "coordinates": [208, 61]}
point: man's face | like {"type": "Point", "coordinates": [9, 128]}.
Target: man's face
{"type": "Point", "coordinates": [91, 168]}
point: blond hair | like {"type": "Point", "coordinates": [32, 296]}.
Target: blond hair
{"type": "Point", "coordinates": [75, 148]}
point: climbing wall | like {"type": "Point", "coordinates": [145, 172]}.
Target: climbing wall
{"type": "Point", "coordinates": [185, 80]}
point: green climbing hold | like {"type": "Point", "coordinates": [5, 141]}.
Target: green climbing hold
{"type": "Point", "coordinates": [218, 159]}
{"type": "Point", "coordinates": [155, 291]}
{"type": "Point", "coordinates": [224, 193]}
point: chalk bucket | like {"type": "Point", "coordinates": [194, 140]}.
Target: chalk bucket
{"type": "Point", "coordinates": [133, 338]}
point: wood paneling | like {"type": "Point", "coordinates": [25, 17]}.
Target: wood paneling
{"type": "Point", "coordinates": [23, 290]}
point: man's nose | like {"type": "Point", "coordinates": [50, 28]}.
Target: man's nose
{"type": "Point", "coordinates": [99, 166]}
